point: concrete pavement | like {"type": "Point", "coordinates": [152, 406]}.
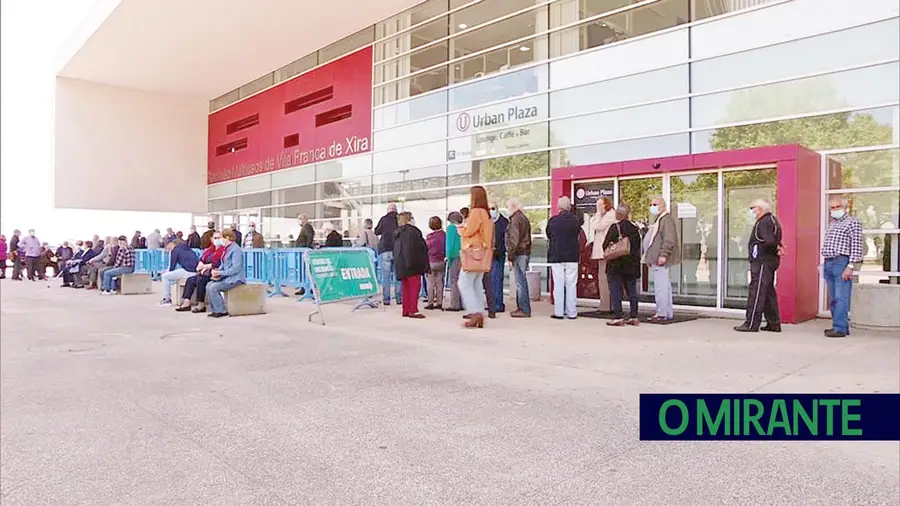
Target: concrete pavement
{"type": "Point", "coordinates": [113, 401]}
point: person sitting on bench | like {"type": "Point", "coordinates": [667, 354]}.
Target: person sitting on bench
{"type": "Point", "coordinates": [210, 259]}
{"type": "Point", "coordinates": [228, 276]}
{"type": "Point", "coordinates": [123, 264]}
{"type": "Point", "coordinates": [182, 265]}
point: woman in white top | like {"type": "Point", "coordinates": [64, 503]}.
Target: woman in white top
{"type": "Point", "coordinates": [600, 223]}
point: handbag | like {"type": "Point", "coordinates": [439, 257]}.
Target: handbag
{"type": "Point", "coordinates": [476, 259]}
{"type": "Point", "coordinates": [618, 249]}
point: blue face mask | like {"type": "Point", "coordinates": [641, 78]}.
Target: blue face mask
{"type": "Point", "coordinates": [494, 215]}
{"type": "Point", "coordinates": [837, 213]}
{"type": "Point", "coordinates": [654, 210]}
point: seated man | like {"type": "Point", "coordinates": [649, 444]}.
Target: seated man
{"type": "Point", "coordinates": [210, 259]}
{"type": "Point", "coordinates": [64, 253]}
{"type": "Point", "coordinates": [228, 276]}
{"type": "Point", "coordinates": [182, 265]}
{"type": "Point", "coordinates": [72, 265]}
{"type": "Point", "coordinates": [91, 251]}
{"type": "Point", "coordinates": [99, 263]}
{"type": "Point", "coordinates": [123, 264]}
{"type": "Point", "coordinates": [48, 260]}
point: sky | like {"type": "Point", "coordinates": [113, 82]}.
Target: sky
{"type": "Point", "coordinates": [33, 32]}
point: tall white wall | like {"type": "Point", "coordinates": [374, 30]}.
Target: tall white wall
{"type": "Point", "coordinates": [129, 150]}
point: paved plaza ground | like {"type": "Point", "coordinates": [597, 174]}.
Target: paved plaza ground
{"type": "Point", "coordinates": [113, 401]}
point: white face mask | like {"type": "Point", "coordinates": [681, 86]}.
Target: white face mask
{"type": "Point", "coordinates": [838, 213]}
{"type": "Point", "coordinates": [752, 214]}
{"type": "Point", "coordinates": [217, 242]}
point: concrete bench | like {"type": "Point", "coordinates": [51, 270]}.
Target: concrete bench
{"type": "Point", "coordinates": [138, 283]}
{"type": "Point", "coordinates": [874, 307]}
{"type": "Point", "coordinates": [179, 292]}
{"type": "Point", "coordinates": [246, 299]}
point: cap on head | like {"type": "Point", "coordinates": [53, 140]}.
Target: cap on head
{"type": "Point", "coordinates": [123, 238]}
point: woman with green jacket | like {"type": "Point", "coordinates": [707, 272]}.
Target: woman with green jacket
{"type": "Point", "coordinates": [454, 244]}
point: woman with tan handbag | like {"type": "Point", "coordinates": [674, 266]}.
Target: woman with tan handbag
{"type": "Point", "coordinates": [622, 250]}
{"type": "Point", "coordinates": [600, 224]}
{"type": "Point", "coordinates": [475, 255]}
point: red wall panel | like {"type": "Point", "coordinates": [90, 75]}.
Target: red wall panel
{"type": "Point", "coordinates": [350, 80]}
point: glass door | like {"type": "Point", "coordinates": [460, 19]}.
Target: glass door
{"type": "Point", "coordinates": [695, 206]}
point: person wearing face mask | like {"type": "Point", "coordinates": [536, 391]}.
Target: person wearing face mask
{"type": "Point", "coordinates": [842, 250]}
{"type": "Point", "coordinates": [229, 275]}
{"type": "Point", "coordinates": [193, 238]}
{"type": "Point", "coordinates": [498, 264]}
{"type": "Point", "coordinates": [661, 251]}
{"type": "Point", "coordinates": [30, 248]}
{"type": "Point", "coordinates": [253, 239]}
{"type": "Point", "coordinates": [123, 264]}
{"type": "Point", "coordinates": [210, 258]}
{"type": "Point", "coordinates": [206, 238]}
{"type": "Point", "coordinates": [67, 258]}
{"type": "Point", "coordinates": [764, 248]}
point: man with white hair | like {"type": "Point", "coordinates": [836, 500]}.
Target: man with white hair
{"type": "Point", "coordinates": [764, 249]}
{"type": "Point", "coordinates": [385, 230]}
{"type": "Point", "coordinates": [562, 255]}
{"type": "Point", "coordinates": [307, 235]}
{"type": "Point", "coordinates": [842, 250]}
{"type": "Point", "coordinates": [518, 250]}
{"type": "Point", "coordinates": [253, 239]}
{"type": "Point", "coordinates": [661, 252]}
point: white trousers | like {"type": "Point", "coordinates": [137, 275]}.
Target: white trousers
{"type": "Point", "coordinates": [565, 279]}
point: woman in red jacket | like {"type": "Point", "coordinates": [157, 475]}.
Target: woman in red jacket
{"type": "Point", "coordinates": [210, 258]}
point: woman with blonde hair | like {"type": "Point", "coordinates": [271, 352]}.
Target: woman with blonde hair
{"type": "Point", "coordinates": [476, 253]}
{"type": "Point", "coordinates": [600, 223]}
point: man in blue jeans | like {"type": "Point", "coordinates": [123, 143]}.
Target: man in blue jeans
{"type": "Point", "coordinates": [124, 264]}
{"type": "Point", "coordinates": [229, 275]}
{"type": "Point", "coordinates": [498, 264]}
{"type": "Point", "coordinates": [385, 230]}
{"type": "Point", "coordinates": [518, 249]}
{"type": "Point", "coordinates": [842, 251]}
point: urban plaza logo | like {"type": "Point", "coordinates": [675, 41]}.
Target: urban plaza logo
{"type": "Point", "coordinates": [484, 120]}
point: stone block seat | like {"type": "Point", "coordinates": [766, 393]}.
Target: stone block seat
{"type": "Point", "coordinates": [874, 307]}
{"type": "Point", "coordinates": [137, 283]}
{"type": "Point", "coordinates": [246, 299]}
{"type": "Point", "coordinates": [179, 292]}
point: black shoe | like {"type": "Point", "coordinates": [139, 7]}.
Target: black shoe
{"type": "Point", "coordinates": [771, 328]}
{"type": "Point", "coordinates": [745, 328]}
{"type": "Point", "coordinates": [835, 333]}
{"type": "Point", "coordinates": [217, 315]}
{"type": "Point", "coordinates": [556, 317]}
{"type": "Point", "coordinates": [386, 303]}
{"type": "Point", "coordinates": [183, 309]}
{"type": "Point", "coordinates": [492, 314]}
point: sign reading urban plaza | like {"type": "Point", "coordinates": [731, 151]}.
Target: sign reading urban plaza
{"type": "Point", "coordinates": [498, 129]}
{"type": "Point", "coordinates": [318, 116]}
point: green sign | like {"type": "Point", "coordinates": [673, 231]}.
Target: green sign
{"type": "Point", "coordinates": [342, 274]}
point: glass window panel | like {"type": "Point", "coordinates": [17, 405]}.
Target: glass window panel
{"type": "Point", "coordinates": [695, 205]}
{"type": "Point", "coordinates": [655, 85]}
{"type": "Point", "coordinates": [409, 87]}
{"type": "Point", "coordinates": [221, 189]}
{"type": "Point", "coordinates": [880, 255]}
{"type": "Point", "coordinates": [423, 205]}
{"type": "Point", "coordinates": [864, 169]}
{"type": "Point", "coordinates": [514, 84]}
{"type": "Point", "coordinates": [403, 181]}
{"type": "Point", "coordinates": [498, 142]}
{"type": "Point", "coordinates": [625, 25]}
{"type": "Point", "coordinates": [804, 56]}
{"type": "Point", "coordinates": [623, 123]}
{"type": "Point", "coordinates": [344, 168]}
{"type": "Point", "coordinates": [294, 177]}
{"type": "Point", "coordinates": [224, 100]}
{"type": "Point", "coordinates": [513, 28]}
{"type": "Point", "coordinates": [410, 17]}
{"type": "Point", "coordinates": [349, 188]}
{"type": "Point", "coordinates": [876, 210]}
{"type": "Point", "coordinates": [531, 193]}
{"type": "Point", "coordinates": [487, 135]}
{"type": "Point", "coordinates": [257, 85]}
{"type": "Point", "coordinates": [297, 67]}
{"type": "Point", "coordinates": [570, 11]}
{"type": "Point", "coordinates": [829, 131]}
{"type": "Point", "coordinates": [347, 45]}
{"type": "Point", "coordinates": [434, 153]}
{"type": "Point", "coordinates": [219, 205]}
{"type": "Point", "coordinates": [854, 88]}
{"type": "Point", "coordinates": [407, 135]}
{"type": "Point", "coordinates": [488, 10]}
{"type": "Point", "coordinates": [635, 149]}
{"type": "Point", "coordinates": [408, 41]}
{"type": "Point", "coordinates": [255, 183]}
{"type": "Point", "coordinates": [703, 10]}
{"type": "Point", "coordinates": [741, 188]}
{"type": "Point", "coordinates": [411, 110]}
{"type": "Point", "coordinates": [296, 194]}
{"type": "Point", "coordinates": [499, 60]}
{"type": "Point", "coordinates": [254, 200]}
{"type": "Point", "coordinates": [501, 169]}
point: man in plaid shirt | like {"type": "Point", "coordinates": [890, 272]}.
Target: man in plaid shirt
{"type": "Point", "coordinates": [842, 251]}
{"type": "Point", "coordinates": [124, 264]}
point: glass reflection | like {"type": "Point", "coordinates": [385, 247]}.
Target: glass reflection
{"type": "Point", "coordinates": [695, 203]}
{"type": "Point", "coordinates": [637, 193]}
{"type": "Point", "coordinates": [864, 169]}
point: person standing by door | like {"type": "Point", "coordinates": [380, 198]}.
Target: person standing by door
{"type": "Point", "coordinates": [842, 250]}
{"type": "Point", "coordinates": [385, 230]}
{"type": "Point", "coordinates": [518, 249]}
{"type": "Point", "coordinates": [498, 264]}
{"type": "Point", "coordinates": [562, 255]}
{"type": "Point", "coordinates": [453, 245]}
{"type": "Point", "coordinates": [600, 223]}
{"type": "Point", "coordinates": [15, 255]}
{"type": "Point", "coordinates": [765, 249]}
{"type": "Point", "coordinates": [661, 252]}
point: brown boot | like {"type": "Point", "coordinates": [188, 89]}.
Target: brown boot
{"type": "Point", "coordinates": [475, 322]}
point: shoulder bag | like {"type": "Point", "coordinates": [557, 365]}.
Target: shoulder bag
{"type": "Point", "coordinates": [618, 249]}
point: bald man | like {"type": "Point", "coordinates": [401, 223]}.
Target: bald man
{"type": "Point", "coordinates": [765, 249]}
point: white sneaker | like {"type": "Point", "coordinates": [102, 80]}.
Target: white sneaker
{"type": "Point", "coordinates": [164, 303]}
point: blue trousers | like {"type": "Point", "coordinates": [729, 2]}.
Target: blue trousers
{"type": "Point", "coordinates": [389, 277]}
{"type": "Point", "coordinates": [520, 264]}
{"type": "Point", "coordinates": [214, 291]}
{"type": "Point", "coordinates": [111, 274]}
{"type": "Point", "coordinates": [497, 271]}
{"type": "Point", "coordinates": [839, 292]}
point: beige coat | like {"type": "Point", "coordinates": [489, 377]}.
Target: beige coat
{"type": "Point", "coordinates": [600, 225]}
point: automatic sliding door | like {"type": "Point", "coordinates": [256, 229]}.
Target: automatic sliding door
{"type": "Point", "coordinates": [695, 203]}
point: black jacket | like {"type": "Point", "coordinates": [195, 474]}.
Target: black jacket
{"type": "Point", "coordinates": [14, 244]}
{"type": "Point", "coordinates": [628, 265]}
{"type": "Point", "coordinates": [385, 230]}
{"type": "Point", "coordinates": [765, 238]}
{"type": "Point", "coordinates": [562, 232]}
{"type": "Point", "coordinates": [334, 239]}
{"type": "Point", "coordinates": [193, 240]}
{"type": "Point", "coordinates": [500, 227]}
{"type": "Point", "coordinates": [306, 237]}
{"type": "Point", "coordinates": [410, 252]}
